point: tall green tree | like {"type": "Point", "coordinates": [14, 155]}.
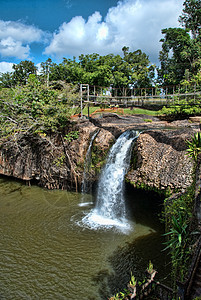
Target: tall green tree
{"type": "Point", "coordinates": [175, 55]}
{"type": "Point", "coordinates": [191, 17]}
{"type": "Point", "coordinates": [22, 71]}
{"type": "Point", "coordinates": [6, 80]}
{"type": "Point", "coordinates": [141, 72]}
{"type": "Point", "coordinates": [133, 69]}
{"type": "Point", "coordinates": [181, 47]}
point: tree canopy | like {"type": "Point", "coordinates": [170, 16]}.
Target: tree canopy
{"type": "Point", "coordinates": [133, 69]}
{"type": "Point", "coordinates": [181, 47]}
{"type": "Point", "coordinates": [180, 59]}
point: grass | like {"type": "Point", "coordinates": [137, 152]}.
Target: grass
{"type": "Point", "coordinates": [127, 111]}
{"type": "Point", "coordinates": [138, 111]}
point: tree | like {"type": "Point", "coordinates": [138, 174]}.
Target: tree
{"type": "Point", "coordinates": [22, 71]}
{"type": "Point", "coordinates": [181, 48]}
{"type": "Point", "coordinates": [173, 57]}
{"type": "Point", "coordinates": [45, 70]}
{"type": "Point", "coordinates": [191, 17]}
{"type": "Point", "coordinates": [131, 70]}
{"type": "Point", "coordinates": [34, 108]}
{"type": "Point", "coordinates": [141, 72]}
{"type": "Point", "coordinates": [6, 80]}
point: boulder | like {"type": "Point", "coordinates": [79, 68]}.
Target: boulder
{"type": "Point", "coordinates": [160, 161]}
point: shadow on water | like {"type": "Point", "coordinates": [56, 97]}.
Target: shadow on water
{"type": "Point", "coordinates": [144, 207]}
{"type": "Point", "coordinates": [133, 257]}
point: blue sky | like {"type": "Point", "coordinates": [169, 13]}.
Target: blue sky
{"type": "Point", "coordinates": [38, 29]}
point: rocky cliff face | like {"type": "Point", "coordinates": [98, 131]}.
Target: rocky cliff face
{"type": "Point", "coordinates": [160, 161]}
{"type": "Point", "coordinates": [52, 161]}
{"type": "Point", "coordinates": [159, 157]}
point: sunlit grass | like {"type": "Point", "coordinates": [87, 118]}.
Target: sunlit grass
{"type": "Point", "coordinates": [126, 111]}
{"type": "Point", "coordinates": [142, 111]}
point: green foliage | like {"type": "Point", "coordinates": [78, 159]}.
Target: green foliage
{"type": "Point", "coordinates": [173, 66]}
{"type": "Point", "coordinates": [150, 268]}
{"type": "Point", "coordinates": [181, 47]}
{"type": "Point", "coordinates": [33, 108]}
{"type": "Point", "coordinates": [133, 281]}
{"type": "Point", "coordinates": [59, 161]}
{"type": "Point", "coordinates": [72, 135]}
{"type": "Point", "coordinates": [177, 216]}
{"type": "Point", "coordinates": [148, 120]}
{"type": "Point", "coordinates": [194, 146]}
{"type": "Point", "coordinates": [190, 17]}
{"type": "Point", "coordinates": [127, 292]}
{"type": "Point", "coordinates": [97, 158]}
{"type": "Point", "coordinates": [132, 285]}
{"type": "Point", "coordinates": [141, 185]}
{"type": "Point", "coordinates": [132, 69]}
{"type": "Point", "coordinates": [177, 234]}
{"type": "Point", "coordinates": [177, 244]}
{"type": "Point", "coordinates": [22, 71]}
{"type": "Point", "coordinates": [6, 80]}
{"type": "Point", "coordinates": [183, 110]}
{"type": "Point", "coordinates": [19, 76]}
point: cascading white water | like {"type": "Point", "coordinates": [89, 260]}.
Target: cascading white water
{"type": "Point", "coordinates": [110, 205]}
{"type": "Point", "coordinates": [110, 198]}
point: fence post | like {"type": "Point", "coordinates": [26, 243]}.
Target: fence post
{"type": "Point", "coordinates": [94, 93]}
{"type": "Point", "coordinates": [81, 98]}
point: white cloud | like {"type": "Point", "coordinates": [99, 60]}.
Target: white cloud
{"type": "Point", "coordinates": [133, 23]}
{"type": "Point", "coordinates": [20, 31]}
{"type": "Point", "coordinates": [15, 38]}
{"type": "Point", "coordinates": [6, 67]}
{"type": "Point", "coordinates": [12, 48]}
{"type": "Point", "coordinates": [39, 68]}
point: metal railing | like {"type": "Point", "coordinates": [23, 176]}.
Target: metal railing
{"type": "Point", "coordinates": [139, 96]}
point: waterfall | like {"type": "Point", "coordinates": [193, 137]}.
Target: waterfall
{"type": "Point", "coordinates": [110, 204]}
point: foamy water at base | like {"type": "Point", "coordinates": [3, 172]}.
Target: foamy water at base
{"type": "Point", "coordinates": [95, 221]}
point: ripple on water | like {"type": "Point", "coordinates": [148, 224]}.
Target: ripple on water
{"type": "Point", "coordinates": [45, 255]}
